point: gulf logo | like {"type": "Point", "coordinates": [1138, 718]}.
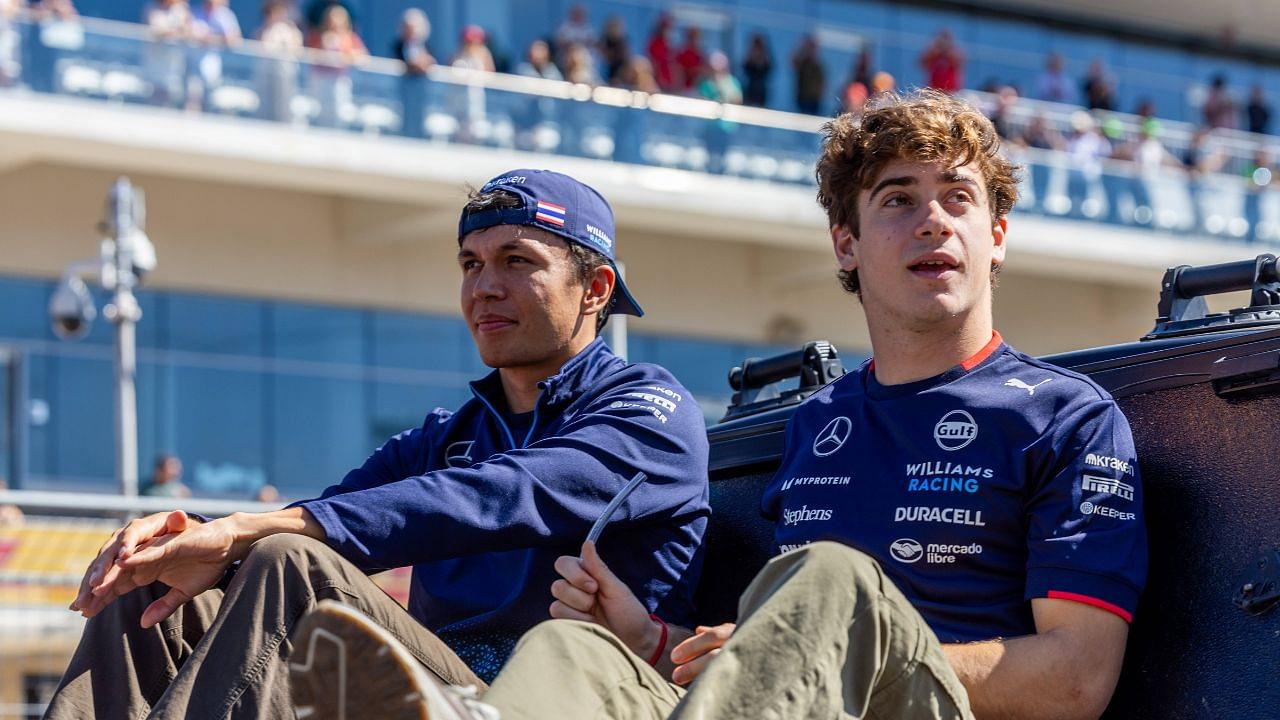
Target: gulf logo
{"type": "Point", "coordinates": [550, 213]}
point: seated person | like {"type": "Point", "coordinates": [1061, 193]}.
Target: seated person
{"type": "Point", "coordinates": [960, 524]}
{"type": "Point", "coordinates": [480, 501]}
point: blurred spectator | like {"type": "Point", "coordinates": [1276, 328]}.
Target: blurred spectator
{"type": "Point", "coordinates": [580, 67]}
{"type": "Point", "coordinates": [411, 48]}
{"type": "Point", "coordinates": [638, 75]}
{"type": "Point", "coordinates": [1257, 112]}
{"type": "Point", "coordinates": [538, 63]}
{"type": "Point", "coordinates": [10, 42]}
{"type": "Point", "coordinates": [615, 48]}
{"type": "Point", "coordinates": [282, 38]}
{"type": "Point", "coordinates": [473, 54]}
{"type": "Point", "coordinates": [1202, 154]}
{"type": "Point", "coordinates": [1086, 149]}
{"type": "Point", "coordinates": [166, 479]}
{"type": "Point", "coordinates": [811, 76]}
{"type": "Point", "coordinates": [267, 494]}
{"type": "Point", "coordinates": [1219, 108]}
{"type": "Point", "coordinates": [690, 60]}
{"type": "Point", "coordinates": [1099, 91]}
{"type": "Point", "coordinates": [1053, 84]}
{"type": "Point", "coordinates": [59, 30]}
{"type": "Point", "coordinates": [10, 515]}
{"type": "Point", "coordinates": [1150, 155]}
{"type": "Point", "coordinates": [661, 52]}
{"type": "Point", "coordinates": [1002, 113]}
{"type": "Point", "coordinates": [1146, 108]}
{"type": "Point", "coordinates": [858, 89]}
{"type": "Point", "coordinates": [214, 25]}
{"type": "Point", "coordinates": [943, 63]}
{"type": "Point", "coordinates": [575, 30]}
{"type": "Point", "coordinates": [756, 69]}
{"type": "Point", "coordinates": [1038, 134]}
{"type": "Point", "coordinates": [330, 80]}
{"type": "Point", "coordinates": [54, 10]}
{"type": "Point", "coordinates": [720, 84]}
{"type": "Point", "coordinates": [170, 22]}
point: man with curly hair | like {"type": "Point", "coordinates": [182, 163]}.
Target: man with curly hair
{"type": "Point", "coordinates": [960, 525]}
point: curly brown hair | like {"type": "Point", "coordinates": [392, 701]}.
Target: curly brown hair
{"type": "Point", "coordinates": [923, 125]}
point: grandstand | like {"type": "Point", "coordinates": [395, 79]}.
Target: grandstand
{"type": "Point", "coordinates": [304, 307]}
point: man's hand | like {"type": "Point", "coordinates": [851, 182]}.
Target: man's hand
{"type": "Point", "coordinates": [100, 578]}
{"type": "Point", "coordinates": [589, 591]}
{"type": "Point", "coordinates": [692, 655]}
{"type": "Point", "coordinates": [189, 563]}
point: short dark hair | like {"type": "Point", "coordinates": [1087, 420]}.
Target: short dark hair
{"type": "Point", "coordinates": [585, 260]}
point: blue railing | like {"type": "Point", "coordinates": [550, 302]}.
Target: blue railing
{"type": "Point", "coordinates": [122, 62]}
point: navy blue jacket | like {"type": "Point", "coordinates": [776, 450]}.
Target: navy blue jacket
{"type": "Point", "coordinates": [482, 515]}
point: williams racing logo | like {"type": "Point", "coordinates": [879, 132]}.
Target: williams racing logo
{"type": "Point", "coordinates": [955, 430]}
{"type": "Point", "coordinates": [832, 437]}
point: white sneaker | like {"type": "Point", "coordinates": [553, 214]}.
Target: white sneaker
{"type": "Point", "coordinates": [345, 665]}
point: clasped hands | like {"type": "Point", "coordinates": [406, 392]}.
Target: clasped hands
{"type": "Point", "coordinates": [589, 591]}
{"type": "Point", "coordinates": [187, 555]}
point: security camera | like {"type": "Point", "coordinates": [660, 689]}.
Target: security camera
{"type": "Point", "coordinates": [71, 310]}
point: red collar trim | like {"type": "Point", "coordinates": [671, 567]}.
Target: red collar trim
{"type": "Point", "coordinates": [984, 353]}
{"type": "Point", "coordinates": [972, 362]}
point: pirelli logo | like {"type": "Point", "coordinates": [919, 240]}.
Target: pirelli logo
{"type": "Point", "coordinates": [1095, 484]}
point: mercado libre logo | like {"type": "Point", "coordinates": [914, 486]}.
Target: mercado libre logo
{"type": "Point", "coordinates": [955, 430]}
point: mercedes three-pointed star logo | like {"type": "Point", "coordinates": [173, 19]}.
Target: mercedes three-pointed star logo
{"type": "Point", "coordinates": [832, 437]}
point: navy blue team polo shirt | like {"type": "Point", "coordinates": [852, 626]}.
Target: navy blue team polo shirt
{"type": "Point", "coordinates": [1001, 480]}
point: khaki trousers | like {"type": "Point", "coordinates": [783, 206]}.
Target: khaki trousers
{"type": "Point", "coordinates": [822, 634]}
{"type": "Point", "coordinates": [224, 654]}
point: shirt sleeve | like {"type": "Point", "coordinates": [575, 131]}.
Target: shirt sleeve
{"type": "Point", "coordinates": [541, 495]}
{"type": "Point", "coordinates": [1086, 536]}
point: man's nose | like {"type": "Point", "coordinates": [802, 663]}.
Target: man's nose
{"type": "Point", "coordinates": [936, 224]}
{"type": "Point", "coordinates": [487, 284]}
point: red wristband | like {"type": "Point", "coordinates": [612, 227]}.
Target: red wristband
{"type": "Point", "coordinates": [662, 641]}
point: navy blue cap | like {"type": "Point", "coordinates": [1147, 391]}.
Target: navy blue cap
{"type": "Point", "coordinates": [558, 204]}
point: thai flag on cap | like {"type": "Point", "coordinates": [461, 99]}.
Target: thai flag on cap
{"type": "Point", "coordinates": [548, 212]}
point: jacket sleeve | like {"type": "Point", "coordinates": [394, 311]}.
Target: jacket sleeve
{"type": "Point", "coordinates": [545, 494]}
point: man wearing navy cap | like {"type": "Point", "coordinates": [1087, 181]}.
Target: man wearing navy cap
{"type": "Point", "coordinates": [193, 617]}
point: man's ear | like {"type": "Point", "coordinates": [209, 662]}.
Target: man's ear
{"type": "Point", "coordinates": [598, 291]}
{"type": "Point", "coordinates": [845, 246]}
{"type": "Point", "coordinates": [998, 234]}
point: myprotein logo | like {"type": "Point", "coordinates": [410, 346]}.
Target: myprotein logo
{"type": "Point", "coordinates": [805, 514]}
{"type": "Point", "coordinates": [952, 516]}
{"type": "Point", "coordinates": [955, 430]}
{"type": "Point", "coordinates": [906, 550]}
{"type": "Point", "coordinates": [816, 480]}
{"type": "Point", "coordinates": [833, 436]}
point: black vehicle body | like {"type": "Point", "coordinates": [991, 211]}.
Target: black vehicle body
{"type": "Point", "coordinates": [1202, 394]}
